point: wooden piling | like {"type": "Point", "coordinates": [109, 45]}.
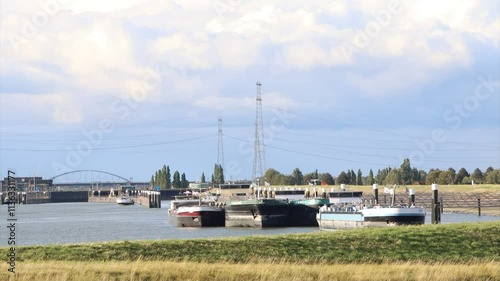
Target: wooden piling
{"type": "Point", "coordinates": [375, 190]}
{"type": "Point", "coordinates": [479, 206]}
{"type": "Point", "coordinates": [435, 212]}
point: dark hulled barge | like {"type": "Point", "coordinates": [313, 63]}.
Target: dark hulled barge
{"type": "Point", "coordinates": [257, 213]}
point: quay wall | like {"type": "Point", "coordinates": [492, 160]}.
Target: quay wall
{"type": "Point", "coordinates": [69, 196]}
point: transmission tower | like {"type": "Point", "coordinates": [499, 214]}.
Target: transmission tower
{"type": "Point", "coordinates": [259, 159]}
{"type": "Point", "coordinates": [220, 146]}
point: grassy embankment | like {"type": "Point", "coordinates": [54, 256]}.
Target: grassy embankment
{"type": "Point", "coordinates": [448, 252]}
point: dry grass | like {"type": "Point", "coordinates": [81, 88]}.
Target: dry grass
{"type": "Point", "coordinates": [164, 270]}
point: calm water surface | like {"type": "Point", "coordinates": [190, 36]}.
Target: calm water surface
{"type": "Point", "coordinates": [64, 223]}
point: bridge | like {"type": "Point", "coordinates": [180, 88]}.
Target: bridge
{"type": "Point", "coordinates": [86, 179]}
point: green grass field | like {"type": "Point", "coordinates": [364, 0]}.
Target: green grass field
{"type": "Point", "coordinates": [466, 251]}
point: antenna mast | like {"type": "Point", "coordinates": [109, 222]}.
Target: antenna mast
{"type": "Point", "coordinates": [259, 160]}
{"type": "Point", "coordinates": [220, 146]}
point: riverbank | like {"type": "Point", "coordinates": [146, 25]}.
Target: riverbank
{"type": "Point", "coordinates": [461, 242]}
{"type": "Point", "coordinates": [464, 251]}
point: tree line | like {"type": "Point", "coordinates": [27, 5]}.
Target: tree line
{"type": "Point", "coordinates": [405, 174]}
{"type": "Point", "coordinates": [162, 178]}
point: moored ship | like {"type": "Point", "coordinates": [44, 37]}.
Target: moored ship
{"type": "Point", "coordinates": [303, 211]}
{"type": "Point", "coordinates": [348, 211]}
{"type": "Point", "coordinates": [200, 216]}
{"type": "Point", "coordinates": [257, 213]}
{"type": "Point", "coordinates": [302, 208]}
{"type": "Point", "coordinates": [353, 216]}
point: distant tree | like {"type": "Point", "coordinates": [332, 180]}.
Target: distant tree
{"type": "Point", "coordinates": [176, 182]}
{"type": "Point", "coordinates": [218, 174]}
{"type": "Point", "coordinates": [370, 180]}
{"type": "Point", "coordinates": [297, 176]}
{"type": "Point", "coordinates": [327, 179]}
{"type": "Point", "coordinates": [488, 170]}
{"type": "Point", "coordinates": [406, 172]}
{"type": "Point", "coordinates": [462, 173]}
{"type": "Point", "coordinates": [159, 178]}
{"type": "Point", "coordinates": [415, 176]}
{"type": "Point", "coordinates": [353, 177]}
{"type": "Point", "coordinates": [359, 179]}
{"type": "Point", "coordinates": [446, 177]}
{"type": "Point", "coordinates": [163, 172]}
{"type": "Point", "coordinates": [432, 176]}
{"type": "Point", "coordinates": [381, 174]}
{"type": "Point", "coordinates": [493, 177]}
{"type": "Point", "coordinates": [167, 178]}
{"type": "Point", "coordinates": [348, 177]}
{"type": "Point", "coordinates": [342, 178]}
{"type": "Point", "coordinates": [152, 181]}
{"type": "Point", "coordinates": [202, 179]}
{"type": "Point", "coordinates": [451, 175]}
{"type": "Point", "coordinates": [288, 180]}
{"type": "Point", "coordinates": [422, 176]}
{"type": "Point", "coordinates": [273, 177]}
{"type": "Point", "coordinates": [477, 176]}
{"type": "Point", "coordinates": [184, 181]}
{"type": "Point", "coordinates": [394, 177]}
{"type": "Point", "coordinates": [466, 180]}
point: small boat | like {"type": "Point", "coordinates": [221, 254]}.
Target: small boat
{"type": "Point", "coordinates": [200, 216]}
{"type": "Point", "coordinates": [124, 200]}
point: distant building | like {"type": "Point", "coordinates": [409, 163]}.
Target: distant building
{"type": "Point", "coordinates": [29, 184]}
{"type": "Point", "coordinates": [199, 185]}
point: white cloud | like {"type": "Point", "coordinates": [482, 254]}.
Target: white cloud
{"type": "Point", "coordinates": [235, 104]}
{"type": "Point", "coordinates": [93, 48]}
{"type": "Point", "coordinates": [57, 108]}
{"type": "Point", "coordinates": [182, 50]}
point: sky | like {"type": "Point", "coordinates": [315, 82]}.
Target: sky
{"type": "Point", "coordinates": [126, 86]}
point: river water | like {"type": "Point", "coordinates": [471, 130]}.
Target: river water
{"type": "Point", "coordinates": [64, 223]}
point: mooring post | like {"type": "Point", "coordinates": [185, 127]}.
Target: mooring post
{"type": "Point", "coordinates": [323, 193]}
{"type": "Point", "coordinates": [435, 204]}
{"type": "Point", "coordinates": [479, 206]}
{"type": "Point", "coordinates": [411, 192]}
{"type": "Point", "coordinates": [159, 199]}
{"type": "Point", "coordinates": [375, 190]}
{"type": "Point", "coordinates": [441, 205]}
